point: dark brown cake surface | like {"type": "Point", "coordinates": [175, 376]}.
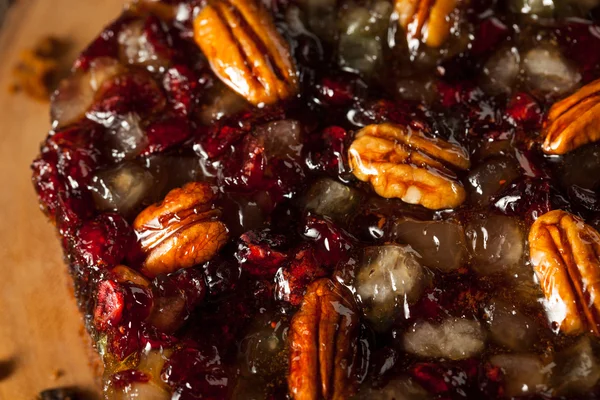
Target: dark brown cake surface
{"type": "Point", "coordinates": [305, 199]}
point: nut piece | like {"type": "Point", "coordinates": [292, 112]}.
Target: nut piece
{"type": "Point", "coordinates": [427, 20]}
{"type": "Point", "coordinates": [245, 50]}
{"type": "Point", "coordinates": [404, 163]}
{"type": "Point", "coordinates": [323, 343]}
{"type": "Point", "coordinates": [564, 253]}
{"type": "Point", "coordinates": [574, 121]}
{"type": "Point", "coordinates": [181, 231]}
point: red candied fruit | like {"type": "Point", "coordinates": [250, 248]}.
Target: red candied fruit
{"type": "Point", "coordinates": [258, 253]}
{"type": "Point", "coordinates": [523, 110]}
{"type": "Point", "coordinates": [329, 153]}
{"type": "Point", "coordinates": [110, 303]}
{"type": "Point", "coordinates": [293, 279]}
{"type": "Point", "coordinates": [166, 133]}
{"type": "Point", "coordinates": [125, 339]}
{"type": "Point", "coordinates": [491, 32]}
{"type": "Point", "coordinates": [336, 91]}
{"type": "Point", "coordinates": [579, 39]}
{"type": "Point", "coordinates": [187, 284]}
{"type": "Point", "coordinates": [158, 37]}
{"type": "Point", "coordinates": [128, 93]}
{"type": "Point", "coordinates": [529, 197]}
{"type": "Point", "coordinates": [250, 168]}
{"type": "Point", "coordinates": [138, 301]}
{"type": "Point", "coordinates": [181, 85]}
{"type": "Point", "coordinates": [246, 171]}
{"type": "Point", "coordinates": [104, 241]}
{"type": "Point", "coordinates": [217, 140]}
{"type": "Point", "coordinates": [332, 244]}
{"type": "Point", "coordinates": [126, 377]}
{"type": "Point", "coordinates": [76, 151]}
{"type": "Point", "coordinates": [452, 378]}
{"type": "Point", "coordinates": [105, 45]}
{"type": "Point", "coordinates": [196, 374]}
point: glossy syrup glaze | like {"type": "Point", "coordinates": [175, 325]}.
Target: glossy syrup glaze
{"type": "Point", "coordinates": [440, 302]}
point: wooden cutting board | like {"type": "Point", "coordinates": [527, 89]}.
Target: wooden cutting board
{"type": "Point", "coordinates": [41, 343]}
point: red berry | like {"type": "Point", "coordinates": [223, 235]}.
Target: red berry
{"type": "Point", "coordinates": [110, 303]}
{"type": "Point", "coordinates": [257, 253]}
{"type": "Point", "coordinates": [181, 84]}
{"type": "Point", "coordinates": [103, 242]}
{"type": "Point", "coordinates": [166, 133]}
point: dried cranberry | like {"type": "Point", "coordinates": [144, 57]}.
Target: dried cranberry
{"type": "Point", "coordinates": [491, 381]}
{"type": "Point", "coordinates": [166, 133]}
{"type": "Point", "coordinates": [578, 37]}
{"type": "Point", "coordinates": [105, 45]}
{"type": "Point", "coordinates": [192, 283]}
{"type": "Point", "coordinates": [336, 91]}
{"type": "Point", "coordinates": [331, 243]}
{"type": "Point", "coordinates": [454, 379]}
{"type": "Point", "coordinates": [196, 374]}
{"type": "Point", "coordinates": [126, 377]}
{"type": "Point", "coordinates": [128, 93]}
{"type": "Point", "coordinates": [490, 33]}
{"type": "Point", "coordinates": [125, 339]}
{"type": "Point", "coordinates": [328, 153]}
{"type": "Point", "coordinates": [47, 182]}
{"type": "Point", "coordinates": [258, 253]}
{"type": "Point", "coordinates": [245, 171]}
{"type": "Point", "coordinates": [523, 110]}
{"type": "Point", "coordinates": [104, 241]}
{"type": "Point", "coordinates": [76, 151]}
{"type": "Point", "coordinates": [291, 280]}
{"type": "Point", "coordinates": [110, 303]}
{"type": "Point", "coordinates": [158, 36]}
{"type": "Point", "coordinates": [181, 85]}
{"type": "Point", "coordinates": [138, 301]}
{"type": "Point", "coordinates": [75, 207]}
{"type": "Point", "coordinates": [215, 141]}
{"type": "Point", "coordinates": [526, 196]}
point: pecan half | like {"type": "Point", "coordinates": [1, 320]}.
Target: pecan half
{"type": "Point", "coordinates": [426, 20]}
{"type": "Point", "coordinates": [245, 50]}
{"type": "Point", "coordinates": [565, 254]}
{"type": "Point", "coordinates": [574, 121]}
{"type": "Point", "coordinates": [323, 343]}
{"type": "Point", "coordinates": [181, 231]}
{"type": "Point", "coordinates": [407, 164]}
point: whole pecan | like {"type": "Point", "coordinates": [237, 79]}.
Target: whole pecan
{"type": "Point", "coordinates": [181, 231]}
{"type": "Point", "coordinates": [565, 254]}
{"type": "Point", "coordinates": [426, 20]}
{"type": "Point", "coordinates": [574, 121]}
{"type": "Point", "coordinates": [407, 164]}
{"type": "Point", "coordinates": [323, 343]}
{"type": "Point", "coordinates": [245, 50]}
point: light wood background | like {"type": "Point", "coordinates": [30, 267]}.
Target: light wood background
{"type": "Point", "coordinates": [40, 329]}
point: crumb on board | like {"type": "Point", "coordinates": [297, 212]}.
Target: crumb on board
{"type": "Point", "coordinates": [57, 374]}
{"type": "Point", "coordinates": [39, 68]}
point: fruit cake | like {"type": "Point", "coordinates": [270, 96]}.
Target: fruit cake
{"type": "Point", "coordinates": [335, 199]}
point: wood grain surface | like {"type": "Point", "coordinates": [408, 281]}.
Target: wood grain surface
{"type": "Point", "coordinates": [41, 343]}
